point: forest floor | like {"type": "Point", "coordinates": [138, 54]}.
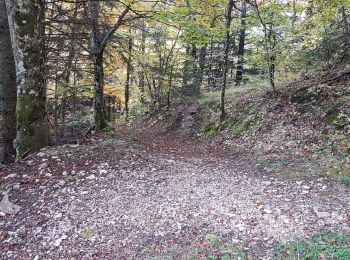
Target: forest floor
{"type": "Point", "coordinates": [142, 194]}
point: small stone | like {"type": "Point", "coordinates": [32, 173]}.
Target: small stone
{"type": "Point", "coordinates": [91, 177]}
{"type": "Point", "coordinates": [12, 175]}
{"type": "Point", "coordinates": [285, 220]}
{"type": "Point", "coordinates": [267, 183]}
{"type": "Point", "coordinates": [241, 227]}
{"type": "Point", "coordinates": [58, 242]}
{"type": "Point", "coordinates": [40, 154]}
{"type": "Point", "coordinates": [61, 182]}
{"type": "Point", "coordinates": [299, 182]}
{"type": "Point", "coordinates": [103, 171]}
{"type": "Point", "coordinates": [337, 216]}
{"type": "Point", "coordinates": [48, 174]}
{"type": "Point", "coordinates": [8, 207]}
{"type": "Point", "coordinates": [322, 214]}
{"type": "Point", "coordinates": [36, 257]}
{"type": "Point", "coordinates": [64, 173]}
{"type": "Point", "coordinates": [267, 211]}
{"type": "Point", "coordinates": [59, 215]}
{"type": "Point", "coordinates": [16, 186]}
{"type": "Point", "coordinates": [305, 192]}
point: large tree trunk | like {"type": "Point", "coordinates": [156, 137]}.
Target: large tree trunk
{"type": "Point", "coordinates": [7, 90]}
{"type": "Point", "coordinates": [97, 53]}
{"type": "Point", "coordinates": [99, 117]}
{"type": "Point", "coordinates": [26, 26]}
{"type": "Point", "coordinates": [241, 44]}
{"type": "Point", "coordinates": [228, 18]}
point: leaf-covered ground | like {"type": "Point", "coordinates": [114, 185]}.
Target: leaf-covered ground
{"type": "Point", "coordinates": [139, 194]}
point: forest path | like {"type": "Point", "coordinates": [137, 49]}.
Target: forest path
{"type": "Point", "coordinates": [162, 195]}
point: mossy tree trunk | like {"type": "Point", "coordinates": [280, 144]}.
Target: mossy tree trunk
{"type": "Point", "coordinates": [7, 90]}
{"type": "Point", "coordinates": [27, 30]}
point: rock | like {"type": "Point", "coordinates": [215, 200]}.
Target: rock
{"type": "Point", "coordinates": [299, 182]}
{"type": "Point", "coordinates": [36, 257]}
{"type": "Point", "coordinates": [40, 154]}
{"type": "Point", "coordinates": [91, 177]}
{"type": "Point", "coordinates": [64, 173]}
{"type": "Point", "coordinates": [48, 174]}
{"type": "Point", "coordinates": [7, 207]}
{"type": "Point", "coordinates": [103, 171]}
{"type": "Point", "coordinates": [59, 240]}
{"type": "Point", "coordinates": [337, 216]}
{"type": "Point", "coordinates": [322, 214]}
{"type": "Point", "coordinates": [16, 186]}
{"type": "Point", "coordinates": [61, 182]}
{"type": "Point", "coordinates": [59, 215]}
{"type": "Point", "coordinates": [2, 214]}
{"type": "Point", "coordinates": [12, 175]}
{"type": "Point", "coordinates": [241, 227]}
{"type": "Point", "coordinates": [267, 211]}
{"type": "Point", "coordinates": [267, 183]}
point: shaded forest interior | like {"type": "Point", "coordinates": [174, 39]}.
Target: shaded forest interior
{"type": "Point", "coordinates": [82, 64]}
{"type": "Point", "coordinates": [237, 87]}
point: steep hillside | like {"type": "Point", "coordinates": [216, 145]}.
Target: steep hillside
{"type": "Point", "coordinates": [303, 122]}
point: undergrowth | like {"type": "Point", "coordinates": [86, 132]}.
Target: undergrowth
{"type": "Point", "coordinates": [320, 247]}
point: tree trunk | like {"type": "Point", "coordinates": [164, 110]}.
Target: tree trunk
{"type": "Point", "coordinates": [7, 90]}
{"type": "Point", "coordinates": [201, 66]}
{"type": "Point", "coordinates": [241, 44]}
{"type": "Point", "coordinates": [27, 30]}
{"type": "Point", "coordinates": [142, 73]}
{"type": "Point", "coordinates": [127, 82]}
{"type": "Point", "coordinates": [228, 18]}
{"type": "Point", "coordinates": [97, 53]}
{"type": "Point", "coordinates": [99, 117]}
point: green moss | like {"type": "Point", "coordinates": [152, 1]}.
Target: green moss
{"type": "Point", "coordinates": [325, 246]}
{"type": "Point", "coordinates": [242, 127]}
{"type": "Point", "coordinates": [215, 129]}
{"type": "Point", "coordinates": [345, 180]}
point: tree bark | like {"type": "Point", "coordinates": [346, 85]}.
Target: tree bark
{"type": "Point", "coordinates": [7, 90]}
{"type": "Point", "coordinates": [241, 44]}
{"type": "Point", "coordinates": [228, 18]}
{"type": "Point", "coordinates": [127, 82]}
{"type": "Point", "coordinates": [97, 54]}
{"type": "Point", "coordinates": [201, 66]}
{"type": "Point", "coordinates": [27, 31]}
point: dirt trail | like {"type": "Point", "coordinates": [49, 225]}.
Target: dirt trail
{"type": "Point", "coordinates": [112, 201]}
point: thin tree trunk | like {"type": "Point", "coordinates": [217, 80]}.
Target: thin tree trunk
{"type": "Point", "coordinates": [201, 66]}
{"type": "Point", "coordinates": [241, 44]}
{"type": "Point", "coordinates": [127, 82]}
{"type": "Point", "coordinates": [142, 73]}
{"type": "Point", "coordinates": [228, 18]}
{"type": "Point", "coordinates": [27, 30]}
{"type": "Point", "coordinates": [7, 90]}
